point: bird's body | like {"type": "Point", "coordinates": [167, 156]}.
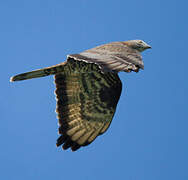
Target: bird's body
{"type": "Point", "coordinates": [88, 89]}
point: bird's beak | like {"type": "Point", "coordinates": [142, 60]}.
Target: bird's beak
{"type": "Point", "coordinates": [148, 46]}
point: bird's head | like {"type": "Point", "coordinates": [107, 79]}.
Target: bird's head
{"type": "Point", "coordinates": [138, 45]}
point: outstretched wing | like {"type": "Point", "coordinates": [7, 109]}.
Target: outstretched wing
{"type": "Point", "coordinates": [86, 102]}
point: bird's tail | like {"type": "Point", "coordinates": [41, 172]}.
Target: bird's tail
{"type": "Point", "coordinates": [39, 73]}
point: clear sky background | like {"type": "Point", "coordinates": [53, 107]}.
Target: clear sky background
{"type": "Point", "coordinates": [147, 139]}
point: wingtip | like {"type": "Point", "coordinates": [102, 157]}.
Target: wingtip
{"type": "Point", "coordinates": [12, 79]}
{"type": "Point", "coordinates": [19, 77]}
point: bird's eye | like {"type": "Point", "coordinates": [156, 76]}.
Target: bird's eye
{"type": "Point", "coordinates": [140, 42]}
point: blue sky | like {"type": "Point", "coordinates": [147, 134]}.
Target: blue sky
{"type": "Point", "coordinates": [147, 139]}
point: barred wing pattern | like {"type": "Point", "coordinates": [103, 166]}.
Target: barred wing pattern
{"type": "Point", "coordinates": [86, 102]}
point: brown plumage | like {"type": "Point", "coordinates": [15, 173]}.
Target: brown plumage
{"type": "Point", "coordinates": [88, 89]}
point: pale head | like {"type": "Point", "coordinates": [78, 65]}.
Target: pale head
{"type": "Point", "coordinates": [139, 45]}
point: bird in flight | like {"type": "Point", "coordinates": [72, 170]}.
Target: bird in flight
{"type": "Point", "coordinates": [88, 89]}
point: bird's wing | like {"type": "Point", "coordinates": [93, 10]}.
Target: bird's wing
{"type": "Point", "coordinates": [86, 102]}
{"type": "Point", "coordinates": [114, 56]}
{"type": "Point", "coordinates": [111, 57]}
{"type": "Point", "coordinates": [39, 72]}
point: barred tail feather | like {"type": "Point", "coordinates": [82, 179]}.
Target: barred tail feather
{"type": "Point", "coordinates": [39, 73]}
